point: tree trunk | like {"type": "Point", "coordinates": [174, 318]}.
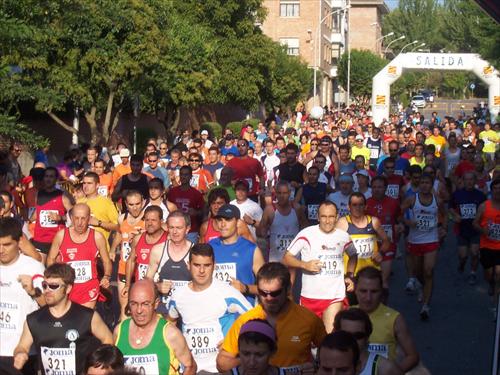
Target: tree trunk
{"type": "Point", "coordinates": [107, 118]}
{"type": "Point", "coordinates": [91, 120]}
{"type": "Point", "coordinates": [60, 122]}
{"type": "Point", "coordinates": [170, 122]}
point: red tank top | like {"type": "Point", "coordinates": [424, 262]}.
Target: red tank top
{"type": "Point", "coordinates": [125, 230]}
{"type": "Point", "coordinates": [80, 256]}
{"type": "Point", "coordinates": [143, 252]}
{"type": "Point", "coordinates": [46, 229]}
{"type": "Point", "coordinates": [211, 232]}
{"type": "Point", "coordinates": [490, 220]}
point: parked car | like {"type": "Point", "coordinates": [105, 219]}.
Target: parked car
{"type": "Point", "coordinates": [418, 101]}
{"type": "Point", "coordinates": [428, 95]}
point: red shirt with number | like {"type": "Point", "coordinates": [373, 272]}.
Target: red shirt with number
{"type": "Point", "coordinates": [387, 211]}
{"type": "Point", "coordinates": [248, 169]}
{"type": "Point", "coordinates": [394, 185]}
{"type": "Point", "coordinates": [82, 258]}
{"type": "Point", "coordinates": [186, 199]}
{"type": "Point", "coordinates": [142, 254]}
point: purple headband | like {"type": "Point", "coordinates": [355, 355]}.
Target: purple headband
{"type": "Point", "coordinates": [260, 327]}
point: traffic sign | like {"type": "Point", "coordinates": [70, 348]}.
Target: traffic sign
{"type": "Point", "coordinates": [472, 86]}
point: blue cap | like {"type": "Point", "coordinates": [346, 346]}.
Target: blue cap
{"type": "Point", "coordinates": [228, 211]}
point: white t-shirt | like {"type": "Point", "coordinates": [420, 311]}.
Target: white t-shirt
{"type": "Point", "coordinates": [341, 201]}
{"type": "Point", "coordinates": [250, 208]}
{"type": "Point", "coordinates": [207, 317]}
{"type": "Point", "coordinates": [15, 303]}
{"type": "Point", "coordinates": [270, 162]}
{"type": "Point", "coordinates": [314, 244]}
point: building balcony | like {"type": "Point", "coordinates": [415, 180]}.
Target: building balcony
{"type": "Point", "coordinates": [337, 4]}
{"type": "Point", "coordinates": [337, 38]}
{"type": "Point", "coordinates": [333, 72]}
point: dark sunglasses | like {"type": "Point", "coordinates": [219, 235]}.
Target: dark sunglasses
{"type": "Point", "coordinates": [195, 160]}
{"type": "Point", "coordinates": [53, 287]}
{"type": "Point", "coordinates": [273, 294]}
{"type": "Point", "coordinates": [153, 161]}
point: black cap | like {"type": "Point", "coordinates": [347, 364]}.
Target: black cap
{"type": "Point", "coordinates": [228, 211]}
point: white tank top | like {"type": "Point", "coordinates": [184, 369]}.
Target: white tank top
{"type": "Point", "coordinates": [426, 230]}
{"type": "Point", "coordinates": [452, 159]}
{"type": "Point", "coordinates": [281, 233]}
{"type": "Point", "coordinates": [371, 364]}
{"type": "Point", "coordinates": [164, 209]}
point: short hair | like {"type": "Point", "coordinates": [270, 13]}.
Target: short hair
{"type": "Point", "coordinates": [179, 213]}
{"type": "Point", "coordinates": [243, 140]}
{"type": "Point", "coordinates": [156, 180]}
{"type": "Point", "coordinates": [62, 271]}
{"type": "Point", "coordinates": [281, 183]}
{"type": "Point", "coordinates": [328, 203]}
{"type": "Point", "coordinates": [292, 147]}
{"type": "Point", "coordinates": [313, 167]}
{"type": "Point", "coordinates": [379, 178]}
{"type": "Point", "coordinates": [344, 147]}
{"type": "Point", "coordinates": [105, 356]}
{"type": "Point", "coordinates": [357, 194]}
{"type": "Point", "coordinates": [371, 273]}
{"type": "Point", "coordinates": [268, 140]}
{"type": "Point", "coordinates": [414, 169]}
{"type": "Point", "coordinates": [11, 227]}
{"type": "Point", "coordinates": [136, 159]}
{"type": "Point", "coordinates": [389, 160]}
{"type": "Point", "coordinates": [426, 176]}
{"type": "Point", "coordinates": [274, 270]}
{"type": "Point", "coordinates": [354, 314]}
{"type": "Point", "coordinates": [360, 157]}
{"type": "Point", "coordinates": [98, 160]}
{"type": "Point", "coordinates": [218, 193]}
{"type": "Point", "coordinates": [202, 249]}
{"type": "Point", "coordinates": [186, 168]}
{"type": "Point", "coordinates": [154, 208]}
{"type": "Point", "coordinates": [93, 176]}
{"type": "Point", "coordinates": [194, 154]}
{"type": "Point", "coordinates": [214, 148]}
{"type": "Point", "coordinates": [341, 341]}
{"type": "Point", "coordinates": [54, 169]}
{"type": "Point", "coordinates": [132, 192]}
{"type": "Point", "coordinates": [255, 337]}
{"type": "Point", "coordinates": [37, 173]}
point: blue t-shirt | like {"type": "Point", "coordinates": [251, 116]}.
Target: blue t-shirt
{"type": "Point", "coordinates": [401, 166]}
{"type": "Point", "coordinates": [466, 204]}
{"type": "Point", "coordinates": [235, 260]}
{"type": "Point", "coordinates": [231, 150]}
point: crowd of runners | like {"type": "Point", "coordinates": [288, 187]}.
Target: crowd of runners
{"type": "Point", "coordinates": [268, 251]}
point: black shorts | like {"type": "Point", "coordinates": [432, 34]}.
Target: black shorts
{"type": "Point", "coordinates": [41, 246]}
{"type": "Point", "coordinates": [7, 366]}
{"type": "Point", "coordinates": [489, 258]}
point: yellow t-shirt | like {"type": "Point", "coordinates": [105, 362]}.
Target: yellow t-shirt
{"type": "Point", "coordinates": [438, 142]}
{"type": "Point", "coordinates": [103, 209]}
{"type": "Point", "coordinates": [296, 329]}
{"type": "Point", "coordinates": [364, 151]}
{"type": "Point", "coordinates": [490, 138]}
{"type": "Point", "coordinates": [383, 340]}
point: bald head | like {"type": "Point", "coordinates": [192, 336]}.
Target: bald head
{"type": "Point", "coordinates": [81, 208]}
{"type": "Point", "coordinates": [144, 286]}
{"type": "Point", "coordinates": [143, 301]}
{"type": "Point", "coordinates": [80, 216]}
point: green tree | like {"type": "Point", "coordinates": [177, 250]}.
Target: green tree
{"type": "Point", "coordinates": [364, 66]}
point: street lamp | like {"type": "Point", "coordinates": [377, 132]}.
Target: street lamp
{"type": "Point", "coordinates": [317, 55]}
{"type": "Point", "coordinates": [407, 45]}
{"type": "Point", "coordinates": [420, 45]}
{"type": "Point", "coordinates": [385, 36]}
{"type": "Point", "coordinates": [392, 41]}
{"type": "Point", "coordinates": [380, 39]}
{"type": "Point", "coordinates": [423, 50]}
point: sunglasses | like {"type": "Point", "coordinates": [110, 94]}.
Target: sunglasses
{"type": "Point", "coordinates": [194, 160]}
{"type": "Point", "coordinates": [153, 161]}
{"type": "Point", "coordinates": [273, 294]}
{"type": "Point", "coordinates": [53, 287]}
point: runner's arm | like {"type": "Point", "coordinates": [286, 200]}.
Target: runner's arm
{"type": "Point", "coordinates": [381, 235]}
{"type": "Point", "coordinates": [154, 261]}
{"type": "Point", "coordinates": [405, 341]}
{"type": "Point", "coordinates": [387, 367]}
{"type": "Point", "coordinates": [130, 266]}
{"type": "Point", "coordinates": [100, 330]}
{"type": "Point", "coordinates": [301, 216]}
{"type": "Point", "coordinates": [181, 350]}
{"type": "Point", "coordinates": [226, 361]}
{"type": "Point", "coordinates": [203, 231]}
{"type": "Point", "coordinates": [263, 227]}
{"type": "Point", "coordinates": [117, 191]}
{"type": "Point", "coordinates": [23, 347]}
{"type": "Point", "coordinates": [114, 245]}
{"type": "Point", "coordinates": [106, 261]}
{"type": "Point", "coordinates": [28, 249]}
{"type": "Point", "coordinates": [244, 232]}
{"type": "Point", "coordinates": [54, 248]}
{"type": "Point", "coordinates": [68, 201]}
{"type": "Point", "coordinates": [476, 223]}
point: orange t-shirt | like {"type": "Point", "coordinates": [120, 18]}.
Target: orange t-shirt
{"type": "Point", "coordinates": [105, 187]}
{"type": "Point", "coordinates": [201, 180]}
{"type": "Point", "coordinates": [120, 170]}
{"type": "Point", "coordinates": [490, 220]}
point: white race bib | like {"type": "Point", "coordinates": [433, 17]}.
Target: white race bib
{"type": "Point", "coordinates": [203, 340]}
{"type": "Point", "coordinates": [468, 211]}
{"type": "Point", "coordinates": [374, 153]}
{"type": "Point", "coordinates": [388, 230]}
{"type": "Point", "coordinates": [225, 271]}
{"type": "Point", "coordinates": [312, 211]}
{"type": "Point", "coordinates": [102, 190]}
{"type": "Point", "coordinates": [45, 221]}
{"type": "Point", "coordinates": [283, 241]}
{"type": "Point", "coordinates": [494, 231]}
{"type": "Point", "coordinates": [9, 316]}
{"type": "Point", "coordinates": [381, 349]}
{"type": "Point", "coordinates": [57, 361]}
{"type": "Point", "coordinates": [250, 183]}
{"type": "Point", "coordinates": [425, 223]}
{"type": "Point", "coordinates": [195, 180]}
{"type": "Point", "coordinates": [333, 265]}
{"type": "Point", "coordinates": [126, 249]}
{"type": "Point", "coordinates": [83, 270]}
{"type": "Point", "coordinates": [392, 191]}
{"type": "Point", "coordinates": [364, 247]}
{"type": "Point", "coordinates": [145, 364]}
{"type": "Point", "coordinates": [142, 270]}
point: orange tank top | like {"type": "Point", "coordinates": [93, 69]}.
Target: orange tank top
{"type": "Point", "coordinates": [125, 229]}
{"type": "Point", "coordinates": [490, 220]}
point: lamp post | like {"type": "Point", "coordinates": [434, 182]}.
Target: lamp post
{"type": "Point", "coordinates": [348, 99]}
{"type": "Point", "coordinates": [392, 41]}
{"type": "Point", "coordinates": [420, 45]}
{"type": "Point", "coordinates": [317, 49]}
{"type": "Point", "coordinates": [382, 38]}
{"type": "Point", "coordinates": [407, 45]}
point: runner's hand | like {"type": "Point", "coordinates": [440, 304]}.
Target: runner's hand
{"type": "Point", "coordinates": [248, 220]}
{"type": "Point", "coordinates": [377, 257]}
{"type": "Point", "coordinates": [314, 266]}
{"type": "Point", "coordinates": [125, 291]}
{"type": "Point", "coordinates": [104, 282]}
{"type": "Point", "coordinates": [112, 255]}
{"type": "Point", "coordinates": [27, 284]}
{"type": "Point", "coordinates": [19, 360]}
{"type": "Point", "coordinates": [237, 284]}
{"type": "Point", "coordinates": [349, 284]}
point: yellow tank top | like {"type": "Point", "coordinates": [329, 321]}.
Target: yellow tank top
{"type": "Point", "coordinates": [365, 242]}
{"type": "Point", "coordinates": [382, 340]}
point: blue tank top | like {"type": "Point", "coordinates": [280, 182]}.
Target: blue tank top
{"type": "Point", "coordinates": [313, 197]}
{"type": "Point", "coordinates": [239, 254]}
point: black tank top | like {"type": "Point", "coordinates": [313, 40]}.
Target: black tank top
{"type": "Point", "coordinates": [172, 270]}
{"type": "Point", "coordinates": [72, 330]}
{"type": "Point", "coordinates": [141, 185]}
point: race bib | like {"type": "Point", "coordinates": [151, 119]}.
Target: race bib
{"type": "Point", "coordinates": [333, 266]}
{"type": "Point", "coordinates": [283, 241]}
{"type": "Point", "coordinates": [364, 247]}
{"type": "Point", "coordinates": [175, 284]}
{"type": "Point", "coordinates": [250, 183]}
{"type": "Point", "coordinates": [126, 249]}
{"type": "Point", "coordinates": [142, 270]}
{"type": "Point", "coordinates": [425, 223]}
{"type": "Point", "coordinates": [468, 211]}
{"type": "Point", "coordinates": [9, 316]}
{"type": "Point", "coordinates": [58, 361]}
{"type": "Point", "coordinates": [392, 191]}
{"type": "Point", "coordinates": [144, 364]}
{"type": "Point", "coordinates": [398, 172]}
{"type": "Point", "coordinates": [83, 270]}
{"type": "Point", "coordinates": [44, 219]}
{"type": "Point", "coordinates": [102, 191]}
{"type": "Point", "coordinates": [312, 211]}
{"type": "Point", "coordinates": [203, 341]}
{"type": "Point", "coordinates": [388, 230]}
{"type": "Point", "coordinates": [344, 210]}
{"type": "Point", "coordinates": [374, 153]}
{"type": "Point", "coordinates": [380, 349]}
{"type": "Point", "coordinates": [494, 231]}
{"type": "Point", "coordinates": [195, 180]}
{"type": "Point", "coordinates": [225, 271]}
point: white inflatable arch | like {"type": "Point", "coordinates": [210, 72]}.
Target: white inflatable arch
{"type": "Point", "coordinates": [381, 91]}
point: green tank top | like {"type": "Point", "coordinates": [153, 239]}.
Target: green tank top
{"type": "Point", "coordinates": [155, 358]}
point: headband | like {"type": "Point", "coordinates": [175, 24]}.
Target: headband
{"type": "Point", "coordinates": [260, 327]}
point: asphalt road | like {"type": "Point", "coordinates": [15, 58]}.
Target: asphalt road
{"type": "Point", "coordinates": [451, 107]}
{"type": "Point", "coordinates": [458, 338]}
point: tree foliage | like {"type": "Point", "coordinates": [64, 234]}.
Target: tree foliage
{"type": "Point", "coordinates": [364, 66]}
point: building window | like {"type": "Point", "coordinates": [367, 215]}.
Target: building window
{"type": "Point", "coordinates": [289, 8]}
{"type": "Point", "coordinates": [336, 22]}
{"type": "Point", "coordinates": [335, 54]}
{"type": "Point", "coordinates": [292, 45]}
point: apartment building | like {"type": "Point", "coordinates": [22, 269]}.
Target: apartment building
{"type": "Point", "coordinates": [366, 24]}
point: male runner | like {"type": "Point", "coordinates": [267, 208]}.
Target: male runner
{"type": "Point", "coordinates": [341, 197]}
{"type": "Point", "coordinates": [312, 194]}
{"type": "Point", "coordinates": [338, 354]}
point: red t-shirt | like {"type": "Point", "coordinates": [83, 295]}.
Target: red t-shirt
{"type": "Point", "coordinates": [186, 199]}
{"type": "Point", "coordinates": [387, 211]}
{"type": "Point", "coordinates": [143, 253]}
{"type": "Point", "coordinates": [463, 167]}
{"type": "Point", "coordinates": [248, 169]}
{"type": "Point", "coordinates": [394, 185]}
